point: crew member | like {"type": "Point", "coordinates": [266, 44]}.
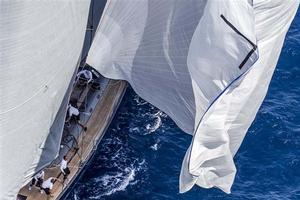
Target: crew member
{"type": "Point", "coordinates": [48, 185]}
{"type": "Point", "coordinates": [85, 74]}
{"type": "Point", "coordinates": [73, 112]}
{"type": "Point", "coordinates": [37, 180]}
{"type": "Point", "coordinates": [64, 167]}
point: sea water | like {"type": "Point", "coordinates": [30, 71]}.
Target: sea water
{"type": "Point", "coordinates": [141, 154]}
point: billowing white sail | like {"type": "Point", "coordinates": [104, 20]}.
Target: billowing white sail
{"type": "Point", "coordinates": [206, 64]}
{"type": "Point", "coordinates": [148, 44]}
{"type": "Point", "coordinates": [40, 45]}
{"type": "Point", "coordinates": [209, 160]}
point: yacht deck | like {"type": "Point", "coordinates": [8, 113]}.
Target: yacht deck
{"type": "Point", "coordinates": [97, 124]}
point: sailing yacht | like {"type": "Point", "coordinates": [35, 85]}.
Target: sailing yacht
{"type": "Point", "coordinates": [206, 64]}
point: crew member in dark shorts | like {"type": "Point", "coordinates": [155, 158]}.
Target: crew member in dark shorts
{"type": "Point", "coordinates": [64, 167]}
{"type": "Point", "coordinates": [48, 185]}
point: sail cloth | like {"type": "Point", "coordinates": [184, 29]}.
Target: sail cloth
{"type": "Point", "coordinates": [207, 64]}
{"type": "Point", "coordinates": [41, 42]}
{"type": "Point", "coordinates": [147, 43]}
{"type": "Point", "coordinates": [208, 162]}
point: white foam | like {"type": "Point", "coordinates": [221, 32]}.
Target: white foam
{"type": "Point", "coordinates": [155, 126]}
{"type": "Point", "coordinates": [154, 147]}
{"type": "Point", "coordinates": [117, 182]}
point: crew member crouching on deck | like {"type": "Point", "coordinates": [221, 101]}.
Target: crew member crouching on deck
{"type": "Point", "coordinates": [64, 167]}
{"type": "Point", "coordinates": [37, 180]}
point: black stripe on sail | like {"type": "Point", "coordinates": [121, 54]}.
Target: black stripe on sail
{"type": "Point", "coordinates": [247, 57]}
{"type": "Point", "coordinates": [254, 46]}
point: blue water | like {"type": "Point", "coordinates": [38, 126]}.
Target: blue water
{"type": "Point", "coordinates": [141, 154]}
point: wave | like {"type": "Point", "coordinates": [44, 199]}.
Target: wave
{"type": "Point", "coordinates": [115, 183]}
{"type": "Point", "coordinates": [157, 123]}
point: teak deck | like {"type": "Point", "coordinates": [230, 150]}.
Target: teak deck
{"type": "Point", "coordinates": [97, 125]}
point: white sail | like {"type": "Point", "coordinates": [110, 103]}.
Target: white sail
{"type": "Point", "coordinates": [41, 42]}
{"type": "Point", "coordinates": [148, 43]}
{"type": "Point", "coordinates": [209, 160]}
{"type": "Point", "coordinates": [198, 61]}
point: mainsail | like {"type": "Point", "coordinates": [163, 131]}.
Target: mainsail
{"type": "Point", "coordinates": [207, 64]}
{"type": "Point", "coordinates": [41, 42]}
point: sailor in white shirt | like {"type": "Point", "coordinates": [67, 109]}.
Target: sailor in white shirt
{"type": "Point", "coordinates": [86, 74]}
{"type": "Point", "coordinates": [48, 185]}
{"type": "Point", "coordinates": [64, 167]}
{"type": "Point", "coordinates": [37, 180]}
{"type": "Point", "coordinates": [74, 112]}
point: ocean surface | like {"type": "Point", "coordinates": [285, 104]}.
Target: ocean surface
{"type": "Point", "coordinates": [140, 156]}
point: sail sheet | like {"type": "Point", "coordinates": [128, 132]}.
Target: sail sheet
{"type": "Point", "coordinates": [41, 42]}
{"type": "Point", "coordinates": [195, 60]}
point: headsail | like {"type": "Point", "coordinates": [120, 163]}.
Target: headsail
{"type": "Point", "coordinates": [209, 160]}
{"type": "Point", "coordinates": [151, 45]}
{"type": "Point", "coordinates": [41, 42]}
{"type": "Point", "coordinates": [193, 59]}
